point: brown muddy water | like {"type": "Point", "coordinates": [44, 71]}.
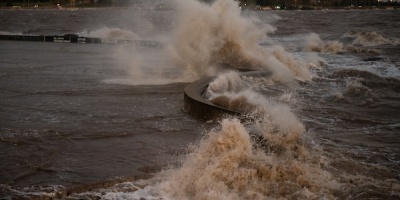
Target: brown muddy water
{"type": "Point", "coordinates": [106, 120]}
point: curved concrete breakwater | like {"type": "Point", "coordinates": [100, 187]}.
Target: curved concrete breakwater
{"type": "Point", "coordinates": [197, 105]}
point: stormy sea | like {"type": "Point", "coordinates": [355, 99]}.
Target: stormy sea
{"type": "Point", "coordinates": [317, 94]}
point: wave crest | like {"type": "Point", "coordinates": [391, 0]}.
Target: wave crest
{"type": "Point", "coordinates": [313, 43]}
{"type": "Point", "coordinates": [225, 166]}
{"type": "Point", "coordinates": [264, 156]}
{"type": "Point", "coordinates": [370, 39]}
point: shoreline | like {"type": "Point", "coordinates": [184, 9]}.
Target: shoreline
{"type": "Point", "coordinates": [303, 8]}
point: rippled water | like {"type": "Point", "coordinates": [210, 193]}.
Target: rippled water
{"type": "Point", "coordinates": [73, 115]}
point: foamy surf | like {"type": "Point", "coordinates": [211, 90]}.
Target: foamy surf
{"type": "Point", "coordinates": [226, 165]}
{"type": "Point", "coordinates": [313, 43]}
{"type": "Point", "coordinates": [370, 39]}
{"type": "Point", "coordinates": [267, 153]}
{"type": "Point", "coordinates": [111, 33]}
{"type": "Point", "coordinates": [346, 115]}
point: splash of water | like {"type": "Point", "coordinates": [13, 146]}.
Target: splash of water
{"type": "Point", "coordinates": [226, 166]}
{"type": "Point", "coordinates": [230, 91]}
{"type": "Point", "coordinates": [266, 157]}
{"type": "Point", "coordinates": [144, 67]}
{"type": "Point", "coordinates": [314, 43]}
{"type": "Point", "coordinates": [210, 38]}
{"type": "Point", "coordinates": [112, 33]}
{"type": "Point", "coordinates": [355, 86]}
{"type": "Point", "coordinates": [370, 38]}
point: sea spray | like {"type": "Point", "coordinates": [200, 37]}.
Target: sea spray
{"type": "Point", "coordinates": [112, 33]}
{"type": "Point", "coordinates": [207, 39]}
{"type": "Point", "coordinates": [211, 38]}
{"type": "Point", "coordinates": [141, 65]}
{"type": "Point", "coordinates": [144, 66]}
{"type": "Point", "coordinates": [266, 157]}
{"type": "Point", "coordinates": [313, 43]}
{"type": "Point", "coordinates": [227, 166]}
{"type": "Point", "coordinates": [226, 82]}
{"type": "Point", "coordinates": [238, 95]}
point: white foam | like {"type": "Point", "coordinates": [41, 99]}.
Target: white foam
{"type": "Point", "coordinates": [225, 166]}
{"type": "Point", "coordinates": [10, 33]}
{"type": "Point", "coordinates": [370, 38]}
{"type": "Point", "coordinates": [111, 33]}
{"type": "Point", "coordinates": [145, 193]}
{"type": "Point", "coordinates": [314, 43]}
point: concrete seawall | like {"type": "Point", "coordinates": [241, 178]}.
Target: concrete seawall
{"type": "Point", "coordinates": [73, 38]}
{"type": "Point", "coordinates": [195, 104]}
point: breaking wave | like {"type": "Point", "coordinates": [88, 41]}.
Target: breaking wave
{"type": "Point", "coordinates": [208, 39]}
{"type": "Point", "coordinates": [370, 39]}
{"type": "Point", "coordinates": [355, 87]}
{"type": "Point", "coordinates": [313, 43]}
{"type": "Point", "coordinates": [211, 38]}
{"type": "Point", "coordinates": [227, 166]}
{"type": "Point", "coordinates": [266, 154]}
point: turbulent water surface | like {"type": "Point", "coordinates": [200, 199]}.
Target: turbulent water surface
{"type": "Point", "coordinates": [106, 120]}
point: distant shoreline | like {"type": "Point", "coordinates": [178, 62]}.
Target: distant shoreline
{"type": "Point", "coordinates": [51, 6]}
{"type": "Point", "coordinates": [144, 8]}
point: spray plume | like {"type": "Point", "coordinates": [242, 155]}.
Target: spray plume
{"type": "Point", "coordinates": [213, 37]}
{"type": "Point", "coordinates": [267, 158]}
